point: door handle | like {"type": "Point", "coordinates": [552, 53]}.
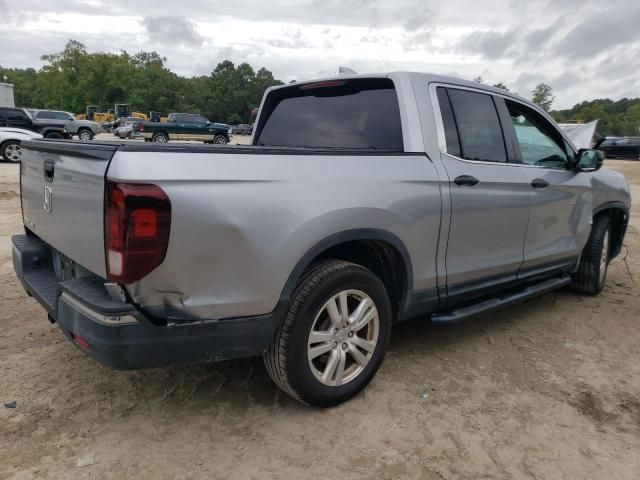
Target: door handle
{"type": "Point", "coordinates": [466, 180]}
{"type": "Point", "coordinates": [539, 183]}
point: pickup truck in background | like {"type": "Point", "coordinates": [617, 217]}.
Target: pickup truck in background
{"type": "Point", "coordinates": [185, 126]}
{"type": "Point", "coordinates": [363, 201]}
{"type": "Point", "coordinates": [83, 129]}
{"type": "Point", "coordinates": [22, 119]}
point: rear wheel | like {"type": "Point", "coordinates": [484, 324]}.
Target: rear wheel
{"type": "Point", "coordinates": [85, 134]}
{"type": "Point", "coordinates": [334, 336]}
{"type": "Point", "coordinates": [11, 151]}
{"type": "Point", "coordinates": [54, 135]}
{"type": "Point", "coordinates": [160, 138]}
{"type": "Point", "coordinates": [594, 261]}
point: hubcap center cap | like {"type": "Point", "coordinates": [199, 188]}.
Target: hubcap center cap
{"type": "Point", "coordinates": [341, 335]}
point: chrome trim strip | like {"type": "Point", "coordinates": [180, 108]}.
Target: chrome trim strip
{"type": "Point", "coordinates": [109, 321]}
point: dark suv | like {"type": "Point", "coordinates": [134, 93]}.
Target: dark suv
{"type": "Point", "coordinates": [20, 118]}
{"type": "Point", "coordinates": [623, 147]}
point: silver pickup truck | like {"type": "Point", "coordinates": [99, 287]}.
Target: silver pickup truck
{"type": "Point", "coordinates": [362, 201]}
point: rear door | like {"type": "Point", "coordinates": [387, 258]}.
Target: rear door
{"type": "Point", "coordinates": [63, 197]}
{"type": "Point", "coordinates": [489, 196]}
{"type": "Point", "coordinates": [194, 127]}
{"type": "Point", "coordinates": [560, 218]}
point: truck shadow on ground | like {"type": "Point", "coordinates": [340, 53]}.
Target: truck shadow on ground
{"type": "Point", "coordinates": [242, 384]}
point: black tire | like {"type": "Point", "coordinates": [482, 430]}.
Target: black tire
{"type": "Point", "coordinates": [11, 151]}
{"type": "Point", "coordinates": [160, 137]}
{"type": "Point", "coordinates": [286, 359]}
{"type": "Point", "coordinates": [85, 134]}
{"type": "Point", "coordinates": [592, 271]}
{"type": "Point", "coordinates": [54, 135]}
{"type": "Point", "coordinates": [220, 140]}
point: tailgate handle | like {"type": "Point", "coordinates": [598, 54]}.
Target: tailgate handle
{"type": "Point", "coordinates": [49, 170]}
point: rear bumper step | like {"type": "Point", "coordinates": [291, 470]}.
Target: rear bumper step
{"type": "Point", "coordinates": [117, 334]}
{"type": "Point", "coordinates": [502, 301]}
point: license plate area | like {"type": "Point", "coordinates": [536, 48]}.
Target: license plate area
{"type": "Point", "coordinates": [65, 268]}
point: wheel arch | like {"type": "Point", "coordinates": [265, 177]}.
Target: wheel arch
{"type": "Point", "coordinates": [379, 250]}
{"type": "Point", "coordinates": [164, 132]}
{"type": "Point", "coordinates": [618, 214]}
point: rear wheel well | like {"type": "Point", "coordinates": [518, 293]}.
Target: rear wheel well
{"type": "Point", "coordinates": [619, 219]}
{"type": "Point", "coordinates": [382, 258]}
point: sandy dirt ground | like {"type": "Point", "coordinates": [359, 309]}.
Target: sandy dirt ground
{"type": "Point", "coordinates": [547, 389]}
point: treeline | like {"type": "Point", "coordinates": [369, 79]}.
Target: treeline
{"type": "Point", "coordinates": [72, 79]}
{"type": "Point", "coordinates": [620, 118]}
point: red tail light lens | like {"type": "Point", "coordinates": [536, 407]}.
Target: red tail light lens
{"type": "Point", "coordinates": [137, 222]}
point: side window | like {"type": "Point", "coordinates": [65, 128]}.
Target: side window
{"type": "Point", "coordinates": [479, 129]}
{"type": "Point", "coordinates": [449, 123]}
{"type": "Point", "coordinates": [540, 143]}
{"type": "Point", "coordinates": [44, 115]}
{"type": "Point", "coordinates": [15, 115]}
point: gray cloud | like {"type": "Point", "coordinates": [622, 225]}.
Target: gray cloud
{"type": "Point", "coordinates": [518, 42]}
{"type": "Point", "coordinates": [420, 19]}
{"type": "Point", "coordinates": [601, 32]}
{"type": "Point", "coordinates": [489, 44]}
{"type": "Point", "coordinates": [172, 31]}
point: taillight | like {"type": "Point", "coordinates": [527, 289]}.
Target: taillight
{"type": "Point", "coordinates": [141, 127]}
{"type": "Point", "coordinates": [137, 221]}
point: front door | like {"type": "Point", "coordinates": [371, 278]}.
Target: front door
{"type": "Point", "coordinates": [17, 118]}
{"type": "Point", "coordinates": [489, 196]}
{"type": "Point", "coordinates": [560, 217]}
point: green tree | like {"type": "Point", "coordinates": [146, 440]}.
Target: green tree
{"type": "Point", "coordinates": [74, 78]}
{"type": "Point", "coordinates": [501, 85]}
{"type": "Point", "coordinates": [542, 95]}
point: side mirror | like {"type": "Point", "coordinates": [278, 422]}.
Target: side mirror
{"type": "Point", "coordinates": [589, 160]}
{"type": "Point", "coordinates": [208, 122]}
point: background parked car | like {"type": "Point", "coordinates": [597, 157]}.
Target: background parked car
{"type": "Point", "coordinates": [84, 129]}
{"type": "Point", "coordinates": [242, 129]}
{"type": "Point", "coordinates": [10, 142]}
{"type": "Point", "coordinates": [21, 118]}
{"type": "Point", "coordinates": [623, 147]}
{"type": "Point", "coordinates": [128, 128]}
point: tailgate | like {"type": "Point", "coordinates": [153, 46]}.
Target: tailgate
{"type": "Point", "coordinates": [62, 185]}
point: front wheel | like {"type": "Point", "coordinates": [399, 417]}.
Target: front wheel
{"type": "Point", "coordinates": [220, 140]}
{"type": "Point", "coordinates": [11, 150]}
{"type": "Point", "coordinates": [334, 336]}
{"type": "Point", "coordinates": [594, 260]}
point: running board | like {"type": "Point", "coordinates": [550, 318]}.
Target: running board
{"type": "Point", "coordinates": [495, 303]}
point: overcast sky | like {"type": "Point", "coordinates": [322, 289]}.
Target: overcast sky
{"type": "Point", "coordinates": [584, 49]}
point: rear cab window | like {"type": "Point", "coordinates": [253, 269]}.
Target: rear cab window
{"type": "Point", "coordinates": [335, 114]}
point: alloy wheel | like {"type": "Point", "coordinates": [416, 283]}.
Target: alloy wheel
{"type": "Point", "coordinates": [343, 337]}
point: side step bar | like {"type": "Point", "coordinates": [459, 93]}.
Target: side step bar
{"type": "Point", "coordinates": [505, 300]}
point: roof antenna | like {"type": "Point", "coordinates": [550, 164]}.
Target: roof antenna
{"type": "Point", "coordinates": [346, 71]}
